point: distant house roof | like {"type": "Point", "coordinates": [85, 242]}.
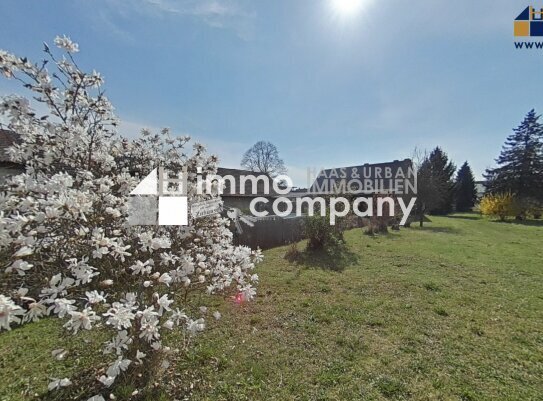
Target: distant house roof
{"type": "Point", "coordinates": [237, 174]}
{"type": "Point", "coordinates": [480, 187]}
{"type": "Point", "coordinates": [7, 139]}
{"type": "Point", "coordinates": [383, 177]}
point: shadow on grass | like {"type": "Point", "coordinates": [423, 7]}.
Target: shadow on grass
{"type": "Point", "coordinates": [335, 260]}
{"type": "Point", "coordinates": [442, 230]}
{"type": "Point", "coordinates": [464, 216]}
{"type": "Point", "coordinates": [531, 223]}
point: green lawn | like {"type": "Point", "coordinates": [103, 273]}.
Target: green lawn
{"type": "Point", "coordinates": [453, 311]}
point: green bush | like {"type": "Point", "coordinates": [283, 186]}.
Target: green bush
{"type": "Point", "coordinates": [293, 254]}
{"type": "Point", "coordinates": [321, 234]}
{"type": "Point", "coordinates": [377, 225]}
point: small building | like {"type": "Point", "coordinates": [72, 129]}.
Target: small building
{"type": "Point", "coordinates": [480, 187]}
{"type": "Point", "coordinates": [7, 167]}
{"type": "Point", "coordinates": [240, 198]}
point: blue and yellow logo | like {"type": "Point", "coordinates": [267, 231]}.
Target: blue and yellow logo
{"type": "Point", "coordinates": [529, 22]}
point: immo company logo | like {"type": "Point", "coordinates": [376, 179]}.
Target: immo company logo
{"type": "Point", "coordinates": [366, 191]}
{"type": "Point", "coordinates": [154, 202]}
{"type": "Point", "coordinates": [529, 24]}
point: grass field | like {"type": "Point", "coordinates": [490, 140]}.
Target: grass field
{"type": "Point", "coordinates": [453, 311]}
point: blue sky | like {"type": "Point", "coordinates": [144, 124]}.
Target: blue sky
{"type": "Point", "coordinates": [329, 90]}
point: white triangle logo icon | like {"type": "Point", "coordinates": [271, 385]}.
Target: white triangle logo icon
{"type": "Point", "coordinates": [148, 186]}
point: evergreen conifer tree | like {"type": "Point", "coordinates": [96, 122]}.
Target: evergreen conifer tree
{"type": "Point", "coordinates": [442, 171]}
{"type": "Point", "coordinates": [520, 164]}
{"type": "Point", "coordinates": [466, 193]}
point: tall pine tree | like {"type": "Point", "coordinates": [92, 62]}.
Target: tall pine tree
{"type": "Point", "coordinates": [442, 171]}
{"type": "Point", "coordinates": [465, 191]}
{"type": "Point", "coordinates": [520, 164]}
{"type": "Point", "coordinates": [430, 189]}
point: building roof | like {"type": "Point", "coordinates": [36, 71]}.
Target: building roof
{"type": "Point", "coordinates": [353, 179]}
{"type": "Point", "coordinates": [480, 187]}
{"type": "Point", "coordinates": [7, 139]}
{"type": "Point", "coordinates": [236, 174]}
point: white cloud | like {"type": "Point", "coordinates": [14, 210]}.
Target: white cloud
{"type": "Point", "coordinates": [221, 14]}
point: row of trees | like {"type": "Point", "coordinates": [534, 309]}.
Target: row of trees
{"type": "Point", "coordinates": [515, 186]}
{"type": "Point", "coordinates": [441, 188]}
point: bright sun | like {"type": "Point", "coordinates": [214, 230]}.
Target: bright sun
{"type": "Point", "coordinates": [346, 7]}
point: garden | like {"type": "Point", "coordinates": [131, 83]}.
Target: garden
{"type": "Point", "coordinates": [92, 308]}
{"type": "Point", "coordinates": [449, 311]}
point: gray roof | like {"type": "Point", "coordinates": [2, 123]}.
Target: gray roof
{"type": "Point", "coordinates": [7, 139]}
{"type": "Point", "coordinates": [237, 174]}
{"type": "Point", "coordinates": [342, 176]}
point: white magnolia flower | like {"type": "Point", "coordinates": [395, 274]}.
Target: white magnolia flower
{"type": "Point", "coordinates": [97, 397]}
{"type": "Point", "coordinates": [119, 344]}
{"type": "Point", "coordinates": [24, 251]}
{"type": "Point", "coordinates": [62, 307]}
{"type": "Point", "coordinates": [58, 383]}
{"type": "Point", "coordinates": [129, 299]}
{"type": "Point", "coordinates": [258, 256]}
{"type": "Point", "coordinates": [141, 267]}
{"type": "Point", "coordinates": [83, 319]}
{"type": "Point", "coordinates": [66, 44]}
{"type": "Point", "coordinates": [9, 313]}
{"type": "Point", "coordinates": [164, 304]}
{"type": "Point", "coordinates": [177, 316]}
{"type": "Point", "coordinates": [20, 266]}
{"type": "Point", "coordinates": [165, 278]}
{"type": "Point", "coordinates": [95, 297]}
{"type": "Point", "coordinates": [120, 316]}
{"type": "Point", "coordinates": [106, 380]}
{"type": "Point", "coordinates": [139, 356]}
{"type": "Point", "coordinates": [168, 258]}
{"type": "Point", "coordinates": [59, 354]}
{"type": "Point", "coordinates": [120, 365]}
{"type": "Point", "coordinates": [150, 331]}
{"type": "Point", "coordinates": [195, 326]}
{"type": "Point", "coordinates": [248, 293]}
{"type": "Point", "coordinates": [113, 212]}
{"type": "Point", "coordinates": [36, 310]}
{"type": "Point", "coordinates": [156, 346]}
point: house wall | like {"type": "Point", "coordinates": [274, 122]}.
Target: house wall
{"type": "Point", "coordinates": [243, 202]}
{"type": "Point", "coordinates": [269, 232]}
{"type": "Point", "coordinates": [6, 171]}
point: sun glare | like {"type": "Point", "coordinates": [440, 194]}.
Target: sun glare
{"type": "Point", "coordinates": [346, 7]}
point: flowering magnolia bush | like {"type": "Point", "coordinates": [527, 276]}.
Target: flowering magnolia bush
{"type": "Point", "coordinates": [65, 243]}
